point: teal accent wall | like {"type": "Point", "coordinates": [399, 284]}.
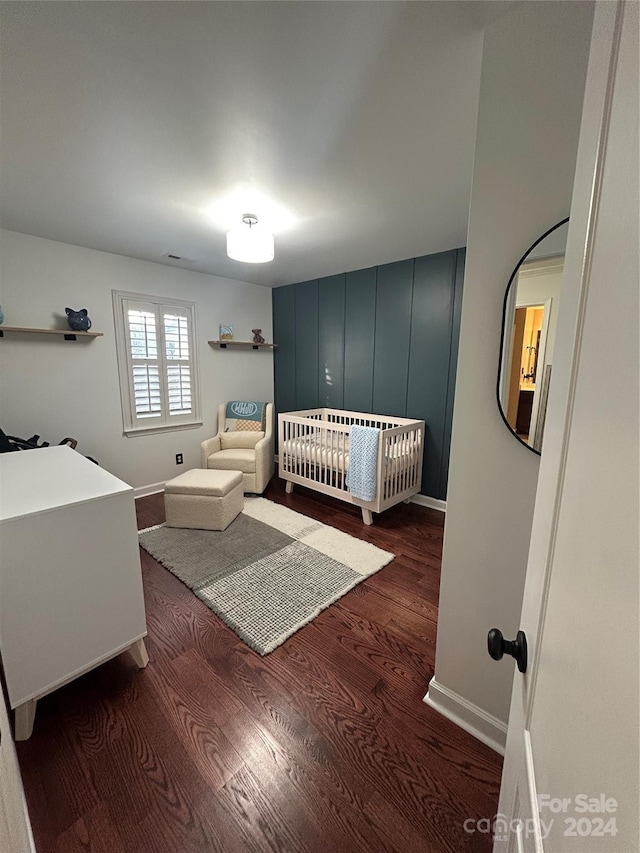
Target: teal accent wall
{"type": "Point", "coordinates": [359, 337]}
{"type": "Point", "coordinates": [284, 326]}
{"type": "Point", "coordinates": [331, 333]}
{"type": "Point", "coordinates": [394, 295]}
{"type": "Point", "coordinates": [383, 340]}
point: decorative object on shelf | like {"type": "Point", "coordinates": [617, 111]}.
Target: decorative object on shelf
{"type": "Point", "coordinates": [226, 332]}
{"type": "Point", "coordinates": [250, 242]}
{"type": "Point", "coordinates": [78, 320]}
{"type": "Point", "coordinates": [1, 315]}
{"type": "Point", "coordinates": [257, 337]}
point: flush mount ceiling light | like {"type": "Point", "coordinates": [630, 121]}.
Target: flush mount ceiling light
{"type": "Point", "coordinates": [249, 242]}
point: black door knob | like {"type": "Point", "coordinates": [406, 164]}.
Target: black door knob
{"type": "Point", "coordinates": [517, 648]}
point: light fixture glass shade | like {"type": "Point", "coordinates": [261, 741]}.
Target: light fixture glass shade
{"type": "Point", "coordinates": [250, 243]}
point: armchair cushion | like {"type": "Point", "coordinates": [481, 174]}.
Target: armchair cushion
{"type": "Point", "coordinates": [230, 440]}
{"type": "Point", "coordinates": [236, 459]}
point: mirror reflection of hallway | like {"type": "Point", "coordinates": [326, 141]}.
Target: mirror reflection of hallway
{"type": "Point", "coordinates": [528, 326]}
{"type": "Point", "coordinates": [531, 311]}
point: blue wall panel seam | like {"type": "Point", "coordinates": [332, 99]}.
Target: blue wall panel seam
{"type": "Point", "coordinates": [413, 284]}
{"type": "Point", "coordinates": [295, 355]}
{"type": "Point", "coordinates": [375, 329]}
{"type": "Point", "coordinates": [344, 338]}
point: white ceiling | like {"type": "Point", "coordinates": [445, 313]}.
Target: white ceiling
{"type": "Point", "coordinates": [139, 128]}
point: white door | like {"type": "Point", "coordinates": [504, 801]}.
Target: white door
{"type": "Point", "coordinates": [571, 772]}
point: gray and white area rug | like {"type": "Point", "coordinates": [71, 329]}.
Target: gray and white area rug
{"type": "Point", "coordinates": [270, 572]}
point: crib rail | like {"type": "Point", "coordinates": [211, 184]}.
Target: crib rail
{"type": "Point", "coordinates": [313, 450]}
{"type": "Point", "coordinates": [400, 463]}
{"type": "Point", "coordinates": [343, 417]}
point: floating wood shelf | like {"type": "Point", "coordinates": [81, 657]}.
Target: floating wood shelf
{"type": "Point", "coordinates": [241, 344]}
{"type": "Point", "coordinates": [67, 334]}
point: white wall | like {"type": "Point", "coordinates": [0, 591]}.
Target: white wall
{"type": "Point", "coordinates": [58, 388]}
{"type": "Point", "coordinates": [531, 90]}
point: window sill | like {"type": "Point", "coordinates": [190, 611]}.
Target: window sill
{"type": "Point", "coordinates": [135, 431]}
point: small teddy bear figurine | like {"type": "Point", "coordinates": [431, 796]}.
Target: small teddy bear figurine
{"type": "Point", "coordinates": [257, 337]}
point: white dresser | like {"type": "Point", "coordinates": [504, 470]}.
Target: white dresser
{"type": "Point", "coordinates": [70, 580]}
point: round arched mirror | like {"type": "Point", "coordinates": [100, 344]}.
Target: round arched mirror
{"type": "Point", "coordinates": [529, 320]}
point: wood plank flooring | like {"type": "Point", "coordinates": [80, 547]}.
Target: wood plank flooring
{"type": "Point", "coordinates": [323, 745]}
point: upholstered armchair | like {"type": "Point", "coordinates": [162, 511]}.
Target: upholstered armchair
{"type": "Point", "coordinates": [249, 451]}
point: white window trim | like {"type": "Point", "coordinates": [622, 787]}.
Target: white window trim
{"type": "Point", "coordinates": [119, 298]}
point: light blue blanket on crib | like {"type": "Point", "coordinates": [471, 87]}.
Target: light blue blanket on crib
{"type": "Point", "coordinates": [363, 462]}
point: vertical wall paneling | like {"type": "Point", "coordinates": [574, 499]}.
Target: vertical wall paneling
{"type": "Point", "coordinates": [331, 331]}
{"type": "Point", "coordinates": [392, 339]}
{"type": "Point", "coordinates": [383, 339]}
{"type": "Point", "coordinates": [306, 313]}
{"type": "Point", "coordinates": [431, 322]}
{"type": "Point", "coordinates": [284, 357]}
{"type": "Point", "coordinates": [453, 366]}
{"type": "Point", "coordinates": [360, 328]}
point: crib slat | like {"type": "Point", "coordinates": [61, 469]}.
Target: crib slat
{"type": "Point", "coordinates": [394, 480]}
{"type": "Point", "coordinates": [405, 462]}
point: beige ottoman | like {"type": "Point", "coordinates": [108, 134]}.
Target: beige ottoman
{"type": "Point", "coordinates": [203, 499]}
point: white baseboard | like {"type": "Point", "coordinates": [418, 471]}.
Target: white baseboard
{"type": "Point", "coordinates": [421, 500]}
{"type": "Point", "coordinates": [487, 728]}
{"type": "Point", "coordinates": [151, 489]}
{"type": "Point", "coordinates": [431, 503]}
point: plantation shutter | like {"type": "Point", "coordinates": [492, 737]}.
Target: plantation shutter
{"type": "Point", "coordinates": [177, 350]}
{"type": "Point", "coordinates": [145, 369]}
{"type": "Point", "coordinates": [160, 363]}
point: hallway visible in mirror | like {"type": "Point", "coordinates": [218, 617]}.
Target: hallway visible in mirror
{"type": "Point", "coordinates": [529, 324]}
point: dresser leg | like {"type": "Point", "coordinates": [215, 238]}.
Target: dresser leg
{"type": "Point", "coordinates": [138, 652]}
{"type": "Point", "coordinates": [25, 715]}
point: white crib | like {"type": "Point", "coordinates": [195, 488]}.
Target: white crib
{"type": "Point", "coordinates": [313, 451]}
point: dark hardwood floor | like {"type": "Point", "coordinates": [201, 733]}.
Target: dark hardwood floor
{"type": "Point", "coordinates": [323, 745]}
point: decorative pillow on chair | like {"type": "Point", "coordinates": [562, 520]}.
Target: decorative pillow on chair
{"type": "Point", "coordinates": [244, 416]}
{"type": "Point", "coordinates": [238, 425]}
{"type": "Point", "coordinates": [240, 439]}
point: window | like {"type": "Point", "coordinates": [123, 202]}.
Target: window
{"type": "Point", "coordinates": [157, 364]}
